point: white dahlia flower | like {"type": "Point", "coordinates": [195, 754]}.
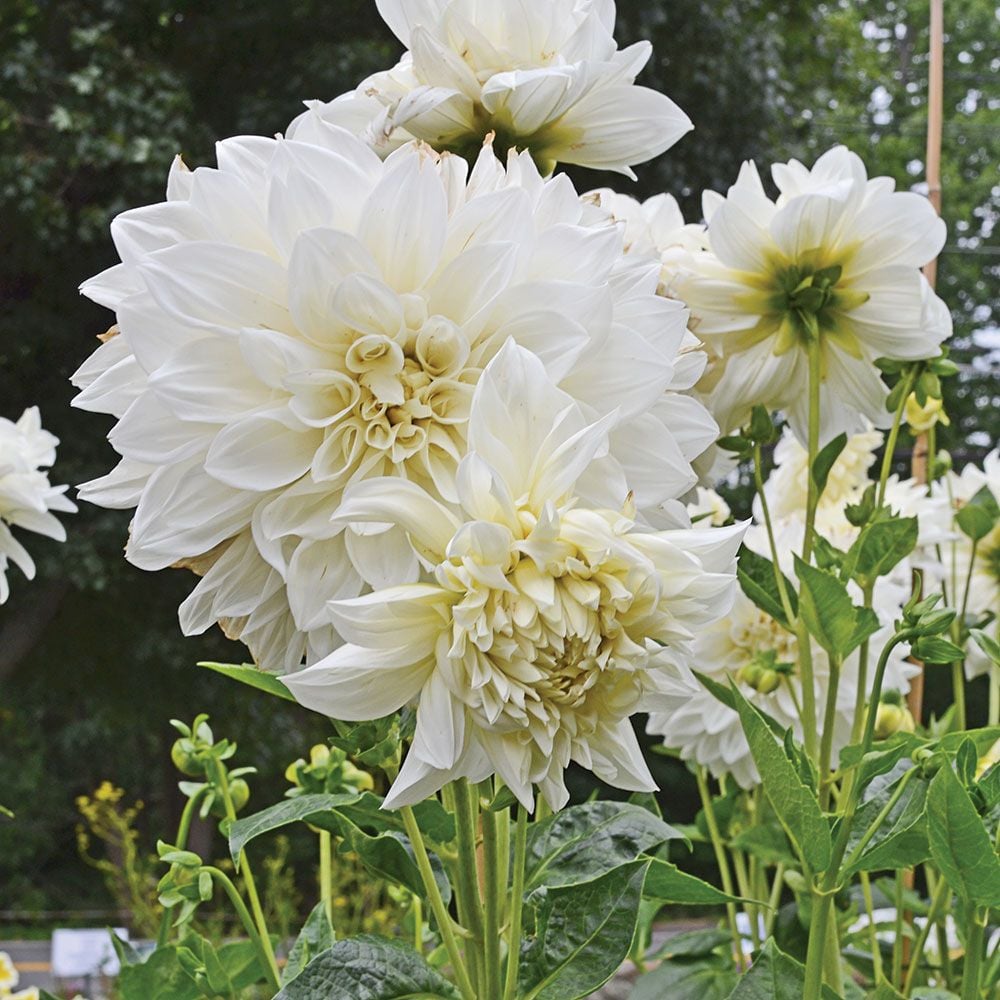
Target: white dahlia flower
{"type": "Point", "coordinates": [984, 580]}
{"type": "Point", "coordinates": [546, 76]}
{"type": "Point", "coordinates": [655, 227]}
{"type": "Point", "coordinates": [528, 645]}
{"type": "Point", "coordinates": [308, 315]}
{"type": "Point", "coordinates": [835, 258]}
{"type": "Point", "coordinates": [26, 496]}
{"type": "Point", "coordinates": [750, 648]}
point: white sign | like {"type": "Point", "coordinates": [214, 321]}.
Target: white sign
{"type": "Point", "coordinates": [79, 953]}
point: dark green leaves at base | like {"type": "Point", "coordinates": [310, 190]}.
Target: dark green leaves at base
{"type": "Point", "coordinates": [959, 843]}
{"type": "Point", "coordinates": [774, 976]}
{"type": "Point", "coordinates": [582, 934]}
{"type": "Point", "coordinates": [584, 842]}
{"type": "Point", "coordinates": [368, 968]}
{"type": "Point", "coordinates": [794, 804]}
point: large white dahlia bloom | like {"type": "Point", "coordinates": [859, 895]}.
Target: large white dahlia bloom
{"type": "Point", "coordinates": [27, 498]}
{"type": "Point", "coordinates": [835, 258]}
{"type": "Point", "coordinates": [308, 315]}
{"type": "Point", "coordinates": [545, 76]}
{"type": "Point", "coordinates": [529, 645]}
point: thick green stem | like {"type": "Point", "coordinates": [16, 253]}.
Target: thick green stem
{"type": "Point", "coordinates": [822, 908]}
{"type": "Point", "coordinates": [516, 903]}
{"type": "Point", "coordinates": [246, 871]}
{"type": "Point", "coordinates": [326, 873]}
{"type": "Point", "coordinates": [264, 951]}
{"type": "Point", "coordinates": [493, 895]}
{"type": "Point", "coordinates": [826, 743]}
{"type": "Point", "coordinates": [465, 803]}
{"type": "Point", "coordinates": [863, 653]}
{"type": "Point", "coordinates": [720, 859]}
{"type": "Point", "coordinates": [972, 968]}
{"type": "Point", "coordinates": [812, 490]}
{"type": "Point", "coordinates": [441, 915]}
{"type": "Point", "coordinates": [890, 445]}
{"type": "Point", "coordinates": [897, 937]}
{"type": "Point", "coordinates": [180, 842]}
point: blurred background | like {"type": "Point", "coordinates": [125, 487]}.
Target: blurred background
{"type": "Point", "coordinates": [96, 97]}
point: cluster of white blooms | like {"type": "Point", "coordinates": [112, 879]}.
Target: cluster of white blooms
{"type": "Point", "coordinates": [423, 419]}
{"type": "Point", "coordinates": [547, 77]}
{"type": "Point", "coordinates": [27, 498]}
{"type": "Point", "coordinates": [753, 650]}
{"type": "Point", "coordinates": [9, 978]}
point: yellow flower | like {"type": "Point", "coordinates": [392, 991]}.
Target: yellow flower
{"type": "Point", "coordinates": [923, 418]}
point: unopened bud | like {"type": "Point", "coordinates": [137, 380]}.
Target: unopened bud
{"type": "Point", "coordinates": [923, 418]}
{"type": "Point", "coordinates": [892, 719]}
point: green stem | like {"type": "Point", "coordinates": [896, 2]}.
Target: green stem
{"type": "Point", "coordinates": [938, 901]}
{"type": "Point", "coordinates": [972, 967]}
{"type": "Point", "coordinates": [774, 900]}
{"type": "Point", "coordinates": [822, 907]}
{"type": "Point", "coordinates": [812, 492]}
{"type": "Point", "coordinates": [720, 859]}
{"type": "Point", "coordinates": [493, 893]}
{"type": "Point", "coordinates": [183, 832]}
{"type": "Point", "coordinates": [829, 722]}
{"type": "Point", "coordinates": [326, 873]}
{"type": "Point", "coordinates": [863, 653]}
{"type": "Point", "coordinates": [881, 817]}
{"type": "Point", "coordinates": [866, 890]}
{"type": "Point", "coordinates": [264, 951]}
{"type": "Point", "coordinates": [957, 628]}
{"type": "Point", "coordinates": [440, 911]}
{"type": "Point", "coordinates": [890, 445]}
{"type": "Point", "coordinates": [779, 577]}
{"type": "Point", "coordinates": [417, 909]}
{"type": "Point", "coordinates": [516, 903]}
{"type": "Point", "coordinates": [243, 866]}
{"type": "Point", "coordinates": [743, 882]}
{"type": "Point", "coordinates": [833, 969]}
{"type": "Point", "coordinates": [465, 804]}
{"type": "Point", "coordinates": [897, 936]}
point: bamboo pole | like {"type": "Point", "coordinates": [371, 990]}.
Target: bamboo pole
{"type": "Point", "coordinates": [935, 126]}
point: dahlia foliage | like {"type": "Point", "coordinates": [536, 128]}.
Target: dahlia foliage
{"type": "Point", "coordinates": [27, 498]}
{"type": "Point", "coordinates": [438, 432]}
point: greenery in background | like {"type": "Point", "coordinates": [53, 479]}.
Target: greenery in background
{"type": "Point", "coordinates": [96, 98]}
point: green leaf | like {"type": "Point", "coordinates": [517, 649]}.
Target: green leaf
{"type": "Point", "coordinates": [794, 804]}
{"type": "Point", "coordinates": [959, 843]}
{"type": "Point", "coordinates": [901, 840]}
{"type": "Point", "coordinates": [583, 842]}
{"type": "Point", "coordinates": [828, 612]}
{"type": "Point", "coordinates": [435, 822]}
{"type": "Point", "coordinates": [758, 581]}
{"type": "Point", "coordinates": [704, 979]}
{"type": "Point", "coordinates": [582, 934]}
{"type": "Point", "coordinates": [252, 676]}
{"type": "Point", "coordinates": [692, 944]}
{"type": "Point", "coordinates": [879, 548]}
{"type": "Point", "coordinates": [315, 937]}
{"type": "Point", "coordinates": [825, 461]}
{"type": "Point", "coordinates": [767, 842]}
{"type": "Point", "coordinates": [368, 968]}
{"type": "Point", "coordinates": [885, 991]}
{"type": "Point", "coordinates": [934, 649]}
{"type": "Point", "coordinates": [987, 644]}
{"type": "Point", "coordinates": [159, 977]}
{"type": "Point", "coordinates": [979, 516]}
{"type": "Point", "coordinates": [775, 976]}
{"type": "Point", "coordinates": [666, 882]}
{"type": "Point", "coordinates": [314, 809]}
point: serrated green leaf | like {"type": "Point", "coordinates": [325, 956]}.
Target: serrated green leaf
{"type": "Point", "coordinates": [879, 548]}
{"type": "Point", "coordinates": [253, 677]}
{"type": "Point", "coordinates": [368, 968]}
{"type": "Point", "coordinates": [828, 612]}
{"type": "Point", "coordinates": [583, 842]}
{"type": "Point", "coordinates": [758, 581]}
{"type": "Point", "coordinates": [435, 822]}
{"type": "Point", "coordinates": [317, 810]}
{"type": "Point", "coordinates": [666, 882]}
{"type": "Point", "coordinates": [775, 976]}
{"type": "Point", "coordinates": [315, 938]}
{"type": "Point", "coordinates": [825, 461]}
{"type": "Point", "coordinates": [582, 934]}
{"type": "Point", "coordinates": [793, 803]}
{"type": "Point", "coordinates": [959, 843]}
{"type": "Point", "coordinates": [692, 944]}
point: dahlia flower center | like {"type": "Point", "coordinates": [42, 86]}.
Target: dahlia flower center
{"type": "Point", "coordinates": [538, 648]}
{"type": "Point", "coordinates": [761, 634]}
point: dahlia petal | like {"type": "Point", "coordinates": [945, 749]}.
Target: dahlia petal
{"type": "Point", "coordinates": [261, 452]}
